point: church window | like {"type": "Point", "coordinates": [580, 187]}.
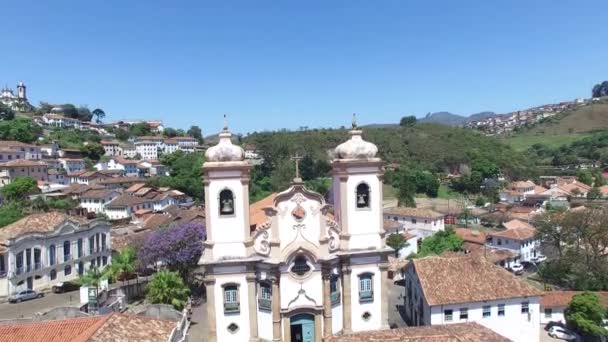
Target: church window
{"type": "Point", "coordinates": [366, 288]}
{"type": "Point", "coordinates": [362, 196]}
{"type": "Point", "coordinates": [226, 203]}
{"type": "Point", "coordinates": [233, 328]}
{"type": "Point", "coordinates": [334, 288]}
{"type": "Point", "coordinates": [366, 316]}
{"type": "Point", "coordinates": [265, 296]}
{"type": "Point", "coordinates": [231, 299]}
{"type": "Point", "coordinates": [300, 265]}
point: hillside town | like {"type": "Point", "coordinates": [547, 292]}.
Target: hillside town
{"type": "Point", "coordinates": [355, 265]}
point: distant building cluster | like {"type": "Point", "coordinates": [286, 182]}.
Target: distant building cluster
{"type": "Point", "coordinates": [17, 102]}
{"type": "Point", "coordinates": [506, 123]}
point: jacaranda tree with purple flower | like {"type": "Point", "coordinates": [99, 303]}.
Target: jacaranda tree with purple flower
{"type": "Point", "coordinates": [177, 248]}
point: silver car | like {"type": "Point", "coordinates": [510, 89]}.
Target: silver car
{"type": "Point", "coordinates": [24, 295]}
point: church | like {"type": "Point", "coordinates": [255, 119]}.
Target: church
{"type": "Point", "coordinates": [17, 103]}
{"type": "Point", "coordinates": [312, 269]}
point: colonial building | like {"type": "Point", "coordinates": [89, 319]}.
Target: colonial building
{"type": "Point", "coordinates": [471, 289]}
{"type": "Point", "coordinates": [417, 221]}
{"type": "Point", "coordinates": [23, 168]}
{"type": "Point", "coordinates": [18, 102]}
{"type": "Point", "coordinates": [311, 270]}
{"type": "Point", "coordinates": [43, 249]}
{"type": "Point", "coordinates": [519, 236]}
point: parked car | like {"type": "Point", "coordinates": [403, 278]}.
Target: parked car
{"type": "Point", "coordinates": [538, 259]}
{"type": "Point", "coordinates": [562, 333]}
{"type": "Point", "coordinates": [66, 286]}
{"type": "Point", "coordinates": [24, 295]}
{"type": "Point", "coordinates": [517, 268]}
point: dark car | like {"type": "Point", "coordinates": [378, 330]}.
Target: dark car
{"type": "Point", "coordinates": [66, 286]}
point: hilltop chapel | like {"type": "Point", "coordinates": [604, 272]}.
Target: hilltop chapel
{"type": "Point", "coordinates": [311, 269]}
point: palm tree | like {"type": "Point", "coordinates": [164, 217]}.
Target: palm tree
{"type": "Point", "coordinates": [123, 264]}
{"type": "Point", "coordinates": [93, 277]}
{"type": "Point", "coordinates": [168, 288]}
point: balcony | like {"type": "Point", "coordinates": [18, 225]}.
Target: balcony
{"type": "Point", "coordinates": [232, 307]}
{"type": "Point", "coordinates": [19, 270]}
{"type": "Point", "coordinates": [67, 257]}
{"type": "Point", "coordinates": [335, 298]}
{"type": "Point", "coordinates": [265, 304]}
{"type": "Point", "coordinates": [38, 266]}
{"type": "Point", "coordinates": [366, 296]}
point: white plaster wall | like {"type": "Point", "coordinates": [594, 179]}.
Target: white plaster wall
{"type": "Point", "coordinates": [374, 308]}
{"type": "Point", "coordinates": [312, 286]}
{"type": "Point", "coordinates": [241, 319]}
{"type": "Point", "coordinates": [265, 324]}
{"type": "Point", "coordinates": [228, 231]}
{"type": "Point", "coordinates": [513, 325]}
{"type": "Point", "coordinates": [364, 224]}
{"type": "Point", "coordinates": [310, 227]}
{"type": "Point", "coordinates": [524, 248]}
{"type": "Point", "coordinates": [336, 316]}
{"type": "Point", "coordinates": [557, 315]}
{"type": "Point", "coordinates": [412, 247]}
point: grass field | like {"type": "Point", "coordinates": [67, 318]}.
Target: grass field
{"type": "Point", "coordinates": [526, 140]}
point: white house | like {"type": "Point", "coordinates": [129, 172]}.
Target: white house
{"type": "Point", "coordinates": [554, 303]}
{"type": "Point", "coordinates": [517, 191]}
{"type": "Point", "coordinates": [95, 201]}
{"type": "Point", "coordinates": [148, 147]}
{"type": "Point", "coordinates": [72, 165]}
{"type": "Point", "coordinates": [43, 249]}
{"type": "Point", "coordinates": [469, 289]}
{"type": "Point", "coordinates": [112, 148]}
{"type": "Point", "coordinates": [305, 273]}
{"type": "Point", "coordinates": [417, 221]}
{"type": "Point", "coordinates": [60, 121]}
{"type": "Point", "coordinates": [13, 150]}
{"type": "Point", "coordinates": [518, 236]}
{"type": "Point", "coordinates": [119, 163]}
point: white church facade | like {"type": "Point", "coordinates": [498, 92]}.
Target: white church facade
{"type": "Point", "coordinates": [312, 270]}
{"type": "Point", "coordinates": [15, 102]}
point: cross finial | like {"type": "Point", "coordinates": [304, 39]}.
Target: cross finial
{"type": "Point", "coordinates": [225, 123]}
{"type": "Point", "coordinates": [296, 158]}
{"type": "Point", "coordinates": [354, 120]}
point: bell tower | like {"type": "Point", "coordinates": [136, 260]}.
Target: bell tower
{"type": "Point", "coordinates": [226, 183]}
{"type": "Point", "coordinates": [357, 192]}
{"type": "Point", "coordinates": [21, 95]}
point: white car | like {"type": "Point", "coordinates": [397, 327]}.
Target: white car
{"type": "Point", "coordinates": [562, 333]}
{"type": "Point", "coordinates": [517, 268]}
{"type": "Point", "coordinates": [540, 258]}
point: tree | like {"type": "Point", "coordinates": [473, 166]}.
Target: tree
{"type": "Point", "coordinates": [442, 241]}
{"type": "Point", "coordinates": [407, 121]}
{"type": "Point", "coordinates": [44, 108]}
{"type": "Point", "coordinates": [600, 89]}
{"type": "Point", "coordinates": [396, 242]}
{"type": "Point", "coordinates": [6, 113]}
{"type": "Point", "coordinates": [99, 114]}
{"type": "Point", "coordinates": [196, 133]}
{"type": "Point", "coordinates": [585, 176]}
{"type": "Point", "coordinates": [140, 129]}
{"type": "Point", "coordinates": [585, 314]}
{"type": "Point", "coordinates": [11, 212]}
{"type": "Point", "coordinates": [170, 132]}
{"type": "Point", "coordinates": [40, 204]}
{"type": "Point", "coordinates": [19, 188]}
{"type": "Point", "coordinates": [178, 248]}
{"type": "Point", "coordinates": [21, 129]}
{"type": "Point", "coordinates": [123, 264]}
{"type": "Point", "coordinates": [93, 277]}
{"type": "Point", "coordinates": [84, 114]}
{"type": "Point", "coordinates": [93, 151]}
{"type": "Point", "coordinates": [594, 193]}
{"type": "Point", "coordinates": [168, 288]}
{"type": "Point", "coordinates": [69, 110]}
{"type": "Point", "coordinates": [552, 229]}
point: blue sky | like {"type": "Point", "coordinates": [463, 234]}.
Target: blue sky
{"type": "Point", "coordinates": [286, 64]}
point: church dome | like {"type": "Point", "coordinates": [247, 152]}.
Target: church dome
{"type": "Point", "coordinates": [225, 151]}
{"type": "Point", "coordinates": [356, 147]}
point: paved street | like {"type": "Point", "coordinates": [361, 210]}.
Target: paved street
{"type": "Point", "coordinates": [29, 308]}
{"type": "Point", "coordinates": [395, 309]}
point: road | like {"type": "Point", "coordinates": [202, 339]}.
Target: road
{"type": "Point", "coordinates": [28, 308]}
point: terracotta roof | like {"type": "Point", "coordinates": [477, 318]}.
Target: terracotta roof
{"type": "Point", "coordinates": [552, 299]}
{"type": "Point", "coordinates": [112, 327]}
{"type": "Point", "coordinates": [155, 221]}
{"type": "Point", "coordinates": [478, 280]}
{"type": "Point", "coordinates": [120, 242]}
{"type": "Point", "coordinates": [257, 216]}
{"type": "Point", "coordinates": [99, 194]}
{"type": "Point", "coordinates": [570, 187]}
{"type": "Point", "coordinates": [126, 200]}
{"type": "Point", "coordinates": [413, 212]}
{"type": "Point", "coordinates": [471, 235]}
{"type": "Point", "coordinates": [604, 190]}
{"type": "Point", "coordinates": [119, 180]}
{"type": "Point", "coordinates": [135, 187]}
{"type": "Point", "coordinates": [523, 184]}
{"type": "Point", "coordinates": [390, 224]}
{"type": "Point", "coordinates": [14, 143]}
{"type": "Point", "coordinates": [107, 142]}
{"type": "Point", "coordinates": [493, 255]}
{"type": "Point", "coordinates": [539, 189]}
{"type": "Point", "coordinates": [516, 230]}
{"type": "Point", "coordinates": [124, 161]}
{"type": "Point", "coordinates": [23, 162]}
{"type": "Point", "coordinates": [459, 332]}
{"type": "Point", "coordinates": [36, 223]}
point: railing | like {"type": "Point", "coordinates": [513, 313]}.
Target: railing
{"type": "Point", "coordinates": [366, 296]}
{"type": "Point", "coordinates": [232, 307]}
{"type": "Point", "coordinates": [265, 304]}
{"type": "Point", "coordinates": [335, 298]}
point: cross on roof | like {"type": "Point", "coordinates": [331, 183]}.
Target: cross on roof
{"type": "Point", "coordinates": [297, 159]}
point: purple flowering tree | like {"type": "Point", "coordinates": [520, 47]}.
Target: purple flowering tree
{"type": "Point", "coordinates": [178, 248]}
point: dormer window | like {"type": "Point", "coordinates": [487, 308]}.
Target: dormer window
{"type": "Point", "coordinates": [226, 203]}
{"type": "Point", "coordinates": [362, 196]}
